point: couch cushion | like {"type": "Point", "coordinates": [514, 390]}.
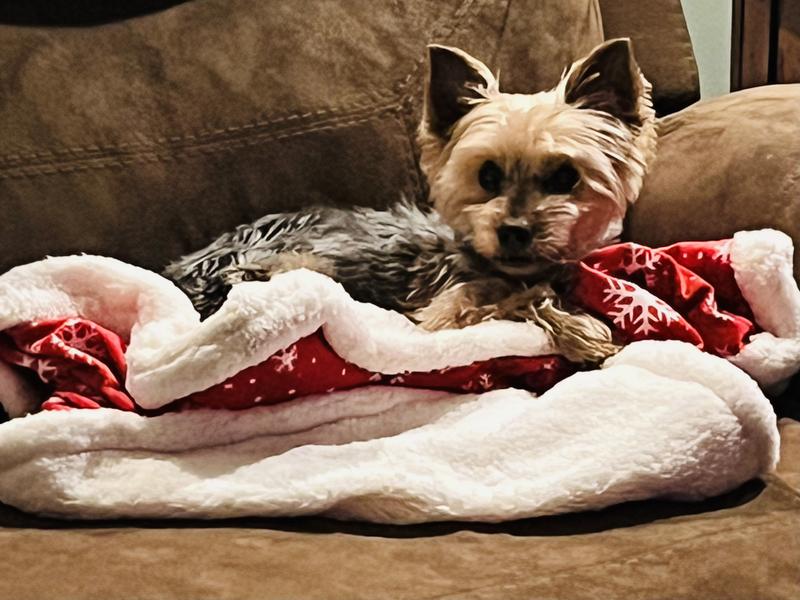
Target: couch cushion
{"type": "Point", "coordinates": [146, 138]}
{"type": "Point", "coordinates": [663, 47]}
{"type": "Point", "coordinates": [743, 545]}
{"type": "Point", "coordinates": [76, 12]}
{"type": "Point", "coordinates": [725, 164]}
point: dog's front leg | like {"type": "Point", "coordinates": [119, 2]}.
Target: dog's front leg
{"type": "Point", "coordinates": [462, 304]}
{"type": "Point", "coordinates": [265, 268]}
{"type": "Point", "coordinates": [579, 336]}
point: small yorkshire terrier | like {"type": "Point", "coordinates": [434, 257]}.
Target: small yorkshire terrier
{"type": "Point", "coordinates": [521, 185]}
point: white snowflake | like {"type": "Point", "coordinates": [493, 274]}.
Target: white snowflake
{"type": "Point", "coordinates": [46, 370]}
{"type": "Point", "coordinates": [485, 381]}
{"type": "Point", "coordinates": [396, 380]}
{"type": "Point", "coordinates": [42, 366]}
{"type": "Point", "coordinates": [79, 336]}
{"type": "Point", "coordinates": [641, 259]}
{"type": "Point", "coordinates": [722, 252]}
{"type": "Point", "coordinates": [636, 306]}
{"type": "Point", "coordinates": [712, 307]}
{"type": "Point", "coordinates": [285, 359]}
{"type": "Point", "coordinates": [375, 377]}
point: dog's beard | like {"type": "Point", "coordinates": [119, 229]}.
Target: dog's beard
{"type": "Point", "coordinates": [597, 121]}
{"type": "Point", "coordinates": [564, 231]}
{"type": "Point", "coordinates": [564, 227]}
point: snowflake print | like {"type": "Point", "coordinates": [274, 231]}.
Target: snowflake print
{"type": "Point", "coordinates": [650, 279]}
{"type": "Point", "coordinates": [396, 380]}
{"type": "Point", "coordinates": [636, 307]}
{"type": "Point", "coordinates": [46, 370]}
{"type": "Point", "coordinates": [42, 366]}
{"type": "Point", "coordinates": [712, 308]}
{"type": "Point", "coordinates": [285, 359]}
{"type": "Point", "coordinates": [641, 259]}
{"type": "Point", "coordinates": [723, 350]}
{"type": "Point", "coordinates": [722, 252]}
{"type": "Point", "coordinates": [375, 377]}
{"type": "Point", "coordinates": [79, 336]}
{"type": "Point", "coordinates": [485, 381]}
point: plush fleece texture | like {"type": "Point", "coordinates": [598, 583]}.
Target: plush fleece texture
{"type": "Point", "coordinates": [659, 419]}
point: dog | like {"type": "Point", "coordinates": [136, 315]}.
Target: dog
{"type": "Point", "coordinates": [521, 187]}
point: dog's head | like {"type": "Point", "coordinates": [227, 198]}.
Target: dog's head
{"type": "Point", "coordinates": [532, 179]}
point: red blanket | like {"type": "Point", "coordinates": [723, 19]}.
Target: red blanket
{"type": "Point", "coordinates": [684, 292]}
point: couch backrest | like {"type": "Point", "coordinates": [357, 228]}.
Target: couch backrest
{"type": "Point", "coordinates": [146, 138]}
{"type": "Point", "coordinates": [663, 47]}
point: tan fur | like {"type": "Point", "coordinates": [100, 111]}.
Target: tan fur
{"type": "Point", "coordinates": [278, 263]}
{"type": "Point", "coordinates": [578, 336]}
{"type": "Point", "coordinates": [527, 132]}
{"type": "Point", "coordinates": [528, 136]}
{"type": "Point", "coordinates": [484, 219]}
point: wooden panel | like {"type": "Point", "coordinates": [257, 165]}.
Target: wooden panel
{"type": "Point", "coordinates": [755, 43]}
{"type": "Point", "coordinates": [788, 59]}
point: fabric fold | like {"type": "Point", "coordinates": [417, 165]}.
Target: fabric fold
{"type": "Point", "coordinates": [664, 418]}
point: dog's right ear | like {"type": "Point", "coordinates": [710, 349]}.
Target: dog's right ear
{"type": "Point", "coordinates": [455, 81]}
{"type": "Point", "coordinates": [609, 80]}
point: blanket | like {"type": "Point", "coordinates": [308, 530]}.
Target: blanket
{"type": "Point", "coordinates": [351, 411]}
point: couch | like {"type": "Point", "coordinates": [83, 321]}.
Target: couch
{"type": "Point", "coordinates": [143, 135]}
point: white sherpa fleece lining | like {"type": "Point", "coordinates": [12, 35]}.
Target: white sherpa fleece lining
{"type": "Point", "coordinates": [659, 419]}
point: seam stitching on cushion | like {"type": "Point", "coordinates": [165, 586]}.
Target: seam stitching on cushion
{"type": "Point", "coordinates": [465, 11]}
{"type": "Point", "coordinates": [168, 154]}
{"type": "Point", "coordinates": [411, 159]}
{"type": "Point", "coordinates": [291, 123]}
{"type": "Point", "coordinates": [654, 553]}
{"type": "Point", "coordinates": [783, 486]}
{"type": "Point", "coordinates": [462, 16]}
{"type": "Point", "coordinates": [96, 156]}
{"type": "Point", "coordinates": [502, 33]}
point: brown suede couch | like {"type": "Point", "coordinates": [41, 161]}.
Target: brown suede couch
{"type": "Point", "coordinates": [145, 137]}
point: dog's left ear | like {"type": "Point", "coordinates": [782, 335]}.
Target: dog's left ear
{"type": "Point", "coordinates": [454, 79]}
{"type": "Point", "coordinates": [608, 79]}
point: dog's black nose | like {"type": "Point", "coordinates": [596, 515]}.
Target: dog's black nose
{"type": "Point", "coordinates": [513, 238]}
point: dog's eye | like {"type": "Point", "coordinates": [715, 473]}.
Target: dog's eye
{"type": "Point", "coordinates": [490, 177]}
{"type": "Point", "coordinates": [561, 181]}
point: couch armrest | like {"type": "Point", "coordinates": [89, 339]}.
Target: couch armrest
{"type": "Point", "coordinates": [724, 165]}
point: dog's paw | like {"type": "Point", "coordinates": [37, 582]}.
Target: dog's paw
{"type": "Point", "coordinates": [586, 340]}
{"type": "Point", "coordinates": [434, 318]}
{"type": "Point", "coordinates": [578, 336]}
{"type": "Point", "coordinates": [267, 267]}
{"type": "Point", "coordinates": [244, 272]}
